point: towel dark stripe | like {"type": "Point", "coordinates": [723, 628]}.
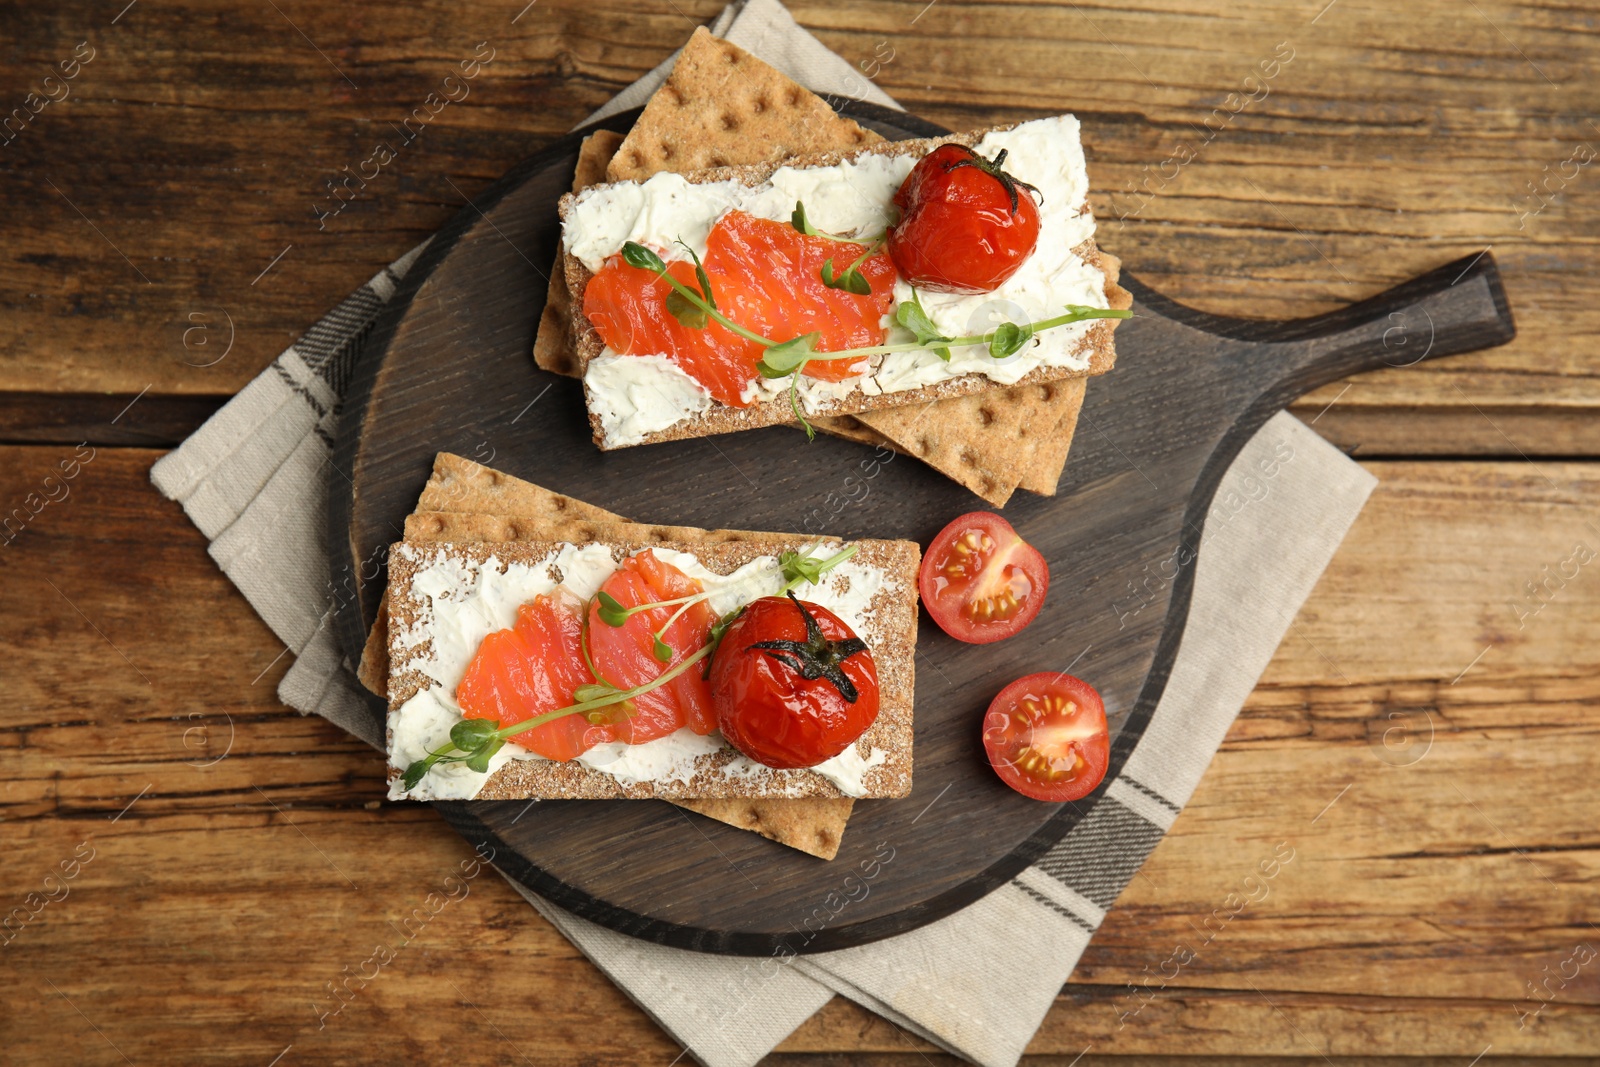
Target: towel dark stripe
{"type": "Point", "coordinates": [1151, 793]}
{"type": "Point", "coordinates": [1103, 852]}
{"type": "Point", "coordinates": [322, 345]}
{"type": "Point", "coordinates": [1052, 905]}
{"type": "Point", "coordinates": [300, 390]}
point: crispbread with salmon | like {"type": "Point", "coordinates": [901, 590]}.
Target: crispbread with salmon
{"type": "Point", "coordinates": [892, 637]}
{"type": "Point", "coordinates": [1096, 345]}
{"type": "Point", "coordinates": [467, 501]}
{"type": "Point", "coordinates": [722, 106]}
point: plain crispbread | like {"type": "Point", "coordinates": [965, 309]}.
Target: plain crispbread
{"type": "Point", "coordinates": [717, 93]}
{"type": "Point", "coordinates": [719, 418]}
{"type": "Point", "coordinates": [1042, 473]}
{"type": "Point", "coordinates": [892, 634]}
{"type": "Point", "coordinates": [468, 526]}
{"type": "Point", "coordinates": [488, 502]}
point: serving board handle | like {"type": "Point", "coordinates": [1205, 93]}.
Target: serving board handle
{"type": "Point", "coordinates": [1459, 307]}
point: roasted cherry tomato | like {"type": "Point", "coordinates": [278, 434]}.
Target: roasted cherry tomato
{"type": "Point", "coordinates": [1046, 737]}
{"type": "Point", "coordinates": [980, 581]}
{"type": "Point", "coordinates": [792, 685]}
{"type": "Point", "coordinates": [965, 224]}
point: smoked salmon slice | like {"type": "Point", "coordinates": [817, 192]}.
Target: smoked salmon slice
{"type": "Point", "coordinates": [765, 276]}
{"type": "Point", "coordinates": [533, 668]}
{"type": "Point", "coordinates": [624, 655]}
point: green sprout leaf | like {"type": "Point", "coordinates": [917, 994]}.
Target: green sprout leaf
{"type": "Point", "coordinates": [662, 651]}
{"type": "Point", "coordinates": [799, 221]}
{"type": "Point", "coordinates": [469, 734]}
{"type": "Point", "coordinates": [705, 281]}
{"type": "Point", "coordinates": [611, 611]}
{"type": "Point", "coordinates": [852, 280]}
{"type": "Point", "coordinates": [788, 357]}
{"type": "Point", "coordinates": [1079, 312]}
{"type": "Point", "coordinates": [686, 311]}
{"type": "Point", "coordinates": [914, 317]}
{"type": "Point", "coordinates": [794, 402]}
{"type": "Point", "coordinates": [701, 277]}
{"type": "Point", "coordinates": [797, 568]}
{"type": "Point", "coordinates": [637, 255]}
{"type": "Point", "coordinates": [1008, 338]}
{"type": "Point", "coordinates": [679, 304]}
{"type": "Point", "coordinates": [479, 760]}
{"type": "Point", "coordinates": [415, 773]}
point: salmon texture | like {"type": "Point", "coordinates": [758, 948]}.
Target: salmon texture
{"type": "Point", "coordinates": [765, 276]}
{"type": "Point", "coordinates": [533, 668]}
{"type": "Point", "coordinates": [624, 655]}
{"type": "Point", "coordinates": [536, 666]}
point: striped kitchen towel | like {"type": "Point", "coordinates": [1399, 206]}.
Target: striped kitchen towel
{"type": "Point", "coordinates": [255, 480]}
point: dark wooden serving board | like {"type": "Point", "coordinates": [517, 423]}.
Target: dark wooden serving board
{"type": "Point", "coordinates": [448, 369]}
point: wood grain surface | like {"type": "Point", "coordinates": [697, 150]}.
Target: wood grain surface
{"type": "Point", "coordinates": [1433, 882]}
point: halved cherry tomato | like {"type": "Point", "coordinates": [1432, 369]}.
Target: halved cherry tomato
{"type": "Point", "coordinates": [792, 683]}
{"type": "Point", "coordinates": [980, 581]}
{"type": "Point", "coordinates": [1046, 737]}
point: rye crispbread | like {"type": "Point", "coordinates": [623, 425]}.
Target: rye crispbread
{"type": "Point", "coordinates": [720, 418]}
{"type": "Point", "coordinates": [553, 348]}
{"type": "Point", "coordinates": [891, 633]}
{"type": "Point", "coordinates": [462, 490]}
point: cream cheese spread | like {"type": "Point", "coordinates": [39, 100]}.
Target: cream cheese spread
{"type": "Point", "coordinates": [850, 198]}
{"type": "Point", "coordinates": [465, 602]}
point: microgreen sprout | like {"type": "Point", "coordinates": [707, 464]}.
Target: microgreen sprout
{"type": "Point", "coordinates": [789, 358]}
{"type": "Point", "coordinates": [851, 280]}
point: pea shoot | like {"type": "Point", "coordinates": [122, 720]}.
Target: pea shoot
{"type": "Point", "coordinates": [695, 307]}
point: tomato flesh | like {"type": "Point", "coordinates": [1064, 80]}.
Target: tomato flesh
{"type": "Point", "coordinates": [981, 581]}
{"type": "Point", "coordinates": [1046, 737]}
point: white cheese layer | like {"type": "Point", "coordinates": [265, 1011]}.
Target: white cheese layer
{"type": "Point", "coordinates": [466, 602]}
{"type": "Point", "coordinates": [853, 198]}
{"type": "Point", "coordinates": [639, 395]}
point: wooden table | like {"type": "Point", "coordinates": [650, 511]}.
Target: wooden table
{"type": "Point", "coordinates": [1423, 741]}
